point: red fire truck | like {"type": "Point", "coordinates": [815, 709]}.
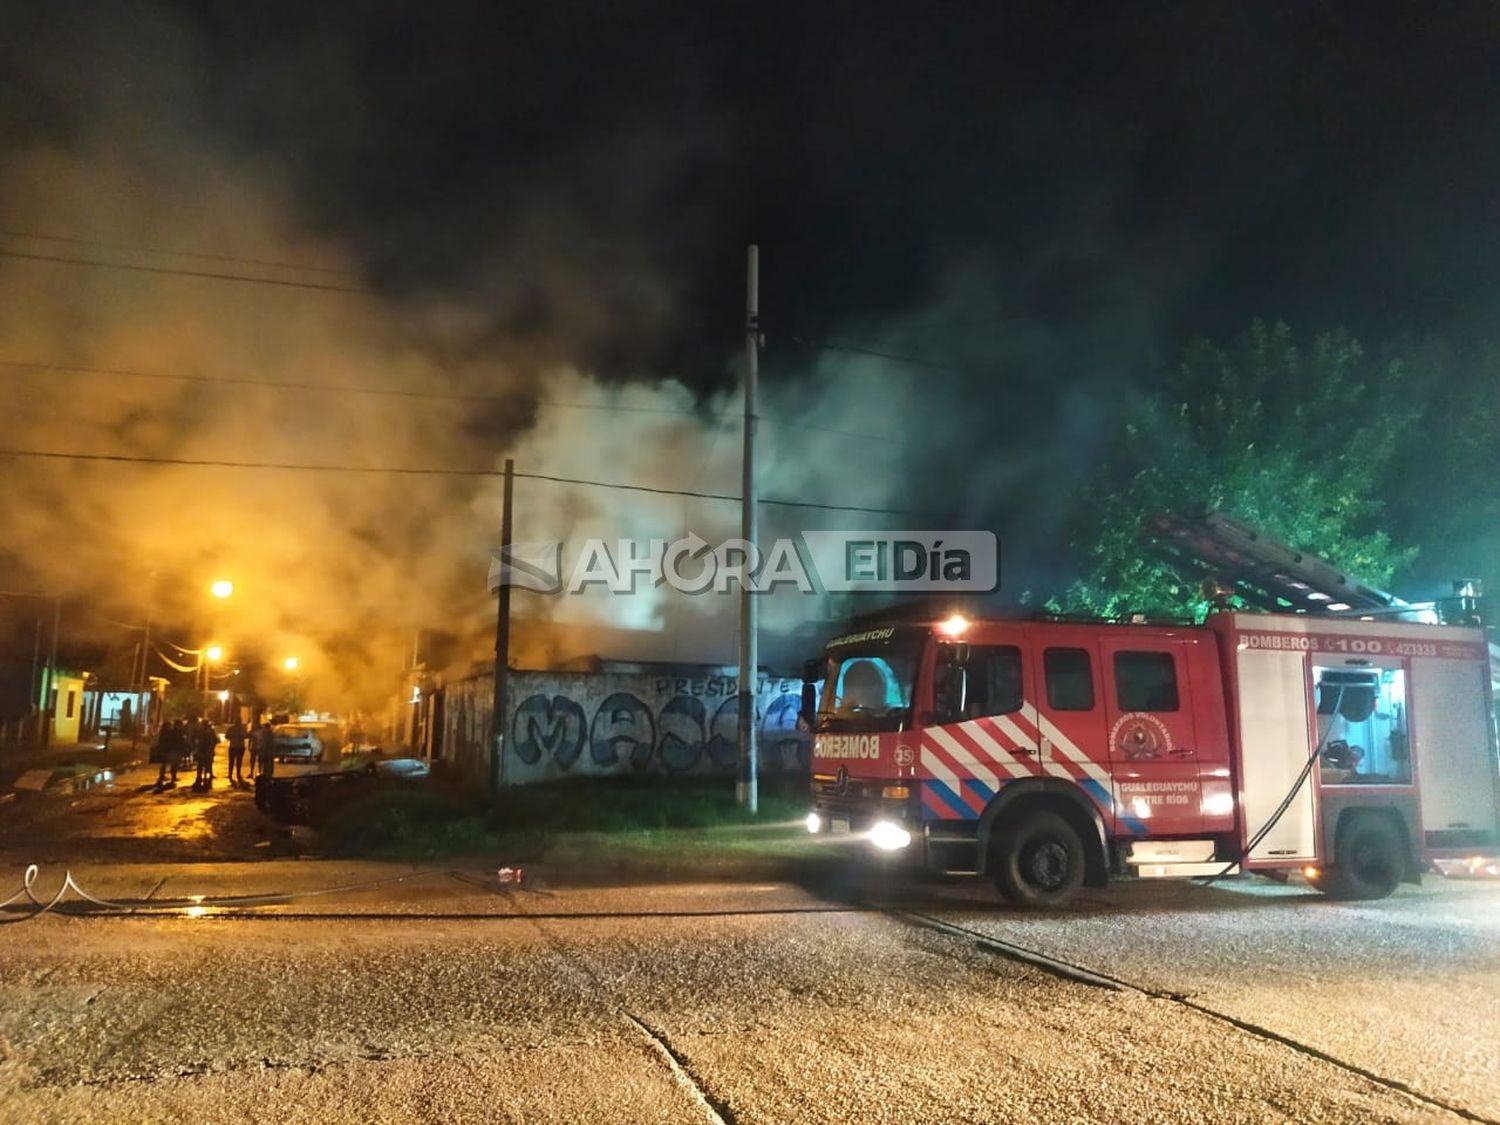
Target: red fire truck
{"type": "Point", "coordinates": [1050, 754]}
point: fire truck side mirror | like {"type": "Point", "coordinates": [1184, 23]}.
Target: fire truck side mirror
{"type": "Point", "coordinates": [950, 687]}
{"type": "Point", "coordinates": [809, 702]}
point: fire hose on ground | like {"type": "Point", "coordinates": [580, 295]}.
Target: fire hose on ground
{"type": "Point", "coordinates": [40, 906]}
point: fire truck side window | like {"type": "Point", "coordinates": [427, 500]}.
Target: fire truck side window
{"type": "Point", "coordinates": [987, 683]}
{"type": "Point", "coordinates": [1145, 681]}
{"type": "Point", "coordinates": [1070, 679]}
{"type": "Point", "coordinates": [999, 680]}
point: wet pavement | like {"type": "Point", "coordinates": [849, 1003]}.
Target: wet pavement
{"type": "Point", "coordinates": [119, 815]}
{"type": "Point", "coordinates": [414, 993]}
{"type": "Point", "coordinates": [229, 977]}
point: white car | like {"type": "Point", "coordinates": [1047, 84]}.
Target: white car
{"type": "Point", "coordinates": [295, 742]}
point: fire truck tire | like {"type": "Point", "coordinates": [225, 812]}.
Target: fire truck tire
{"type": "Point", "coordinates": [1369, 860]}
{"type": "Point", "coordinates": [1039, 861]}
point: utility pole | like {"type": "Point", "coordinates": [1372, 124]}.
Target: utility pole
{"type": "Point", "coordinates": [36, 671]}
{"type": "Point", "coordinates": [50, 684]}
{"type": "Point", "coordinates": [502, 639]}
{"type": "Point", "coordinates": [746, 789]}
{"type": "Point", "coordinates": [140, 728]}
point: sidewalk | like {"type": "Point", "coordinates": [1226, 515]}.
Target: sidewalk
{"type": "Point", "coordinates": [16, 760]}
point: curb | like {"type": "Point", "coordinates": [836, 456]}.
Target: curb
{"type": "Point", "coordinates": [61, 782]}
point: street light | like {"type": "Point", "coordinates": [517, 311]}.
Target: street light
{"type": "Point", "coordinates": [209, 654]}
{"type": "Point", "coordinates": [222, 588]}
{"type": "Point", "coordinates": [291, 663]}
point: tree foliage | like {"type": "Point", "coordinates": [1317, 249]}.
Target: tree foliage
{"type": "Point", "coordinates": [1446, 492]}
{"type": "Point", "coordinates": [1297, 442]}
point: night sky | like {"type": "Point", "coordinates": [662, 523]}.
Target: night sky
{"type": "Point", "coordinates": [1047, 200]}
{"type": "Point", "coordinates": [1115, 181]}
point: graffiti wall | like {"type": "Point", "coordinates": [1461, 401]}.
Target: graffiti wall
{"type": "Point", "coordinates": [570, 724]}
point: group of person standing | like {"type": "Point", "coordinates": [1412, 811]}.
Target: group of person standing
{"type": "Point", "coordinates": [197, 740]}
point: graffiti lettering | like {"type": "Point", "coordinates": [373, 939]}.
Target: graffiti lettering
{"type": "Point", "coordinates": [723, 742]}
{"type": "Point", "coordinates": [682, 721]}
{"type": "Point", "coordinates": [552, 726]}
{"type": "Point", "coordinates": [562, 724]}
{"type": "Point", "coordinates": [622, 724]}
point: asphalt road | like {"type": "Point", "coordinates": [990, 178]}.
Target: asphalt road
{"type": "Point", "coordinates": [445, 997]}
{"type": "Point", "coordinates": [407, 994]}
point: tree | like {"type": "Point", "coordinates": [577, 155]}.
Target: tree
{"type": "Point", "coordinates": [1447, 490]}
{"type": "Point", "coordinates": [1298, 443]}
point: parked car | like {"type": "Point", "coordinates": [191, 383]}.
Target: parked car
{"type": "Point", "coordinates": [296, 742]}
{"type": "Point", "coordinates": [329, 732]}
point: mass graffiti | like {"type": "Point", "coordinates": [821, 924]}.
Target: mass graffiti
{"type": "Point", "coordinates": [548, 727]}
{"type": "Point", "coordinates": [781, 737]}
{"type": "Point", "coordinates": [692, 727]}
{"type": "Point", "coordinates": [682, 724]}
{"type": "Point", "coordinates": [623, 730]}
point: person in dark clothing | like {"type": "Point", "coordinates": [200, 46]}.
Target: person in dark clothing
{"type": "Point", "coordinates": [205, 739]}
{"type": "Point", "coordinates": [167, 751]}
{"type": "Point", "coordinates": [263, 748]}
{"type": "Point", "coordinates": [236, 735]}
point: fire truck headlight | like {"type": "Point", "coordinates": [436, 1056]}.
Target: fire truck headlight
{"type": "Point", "coordinates": [814, 823]}
{"type": "Point", "coordinates": [889, 837]}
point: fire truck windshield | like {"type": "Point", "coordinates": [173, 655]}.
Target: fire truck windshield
{"type": "Point", "coordinates": [867, 691]}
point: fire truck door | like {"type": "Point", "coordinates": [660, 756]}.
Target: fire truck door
{"type": "Point", "coordinates": [1152, 741]}
{"type": "Point", "coordinates": [1069, 715]}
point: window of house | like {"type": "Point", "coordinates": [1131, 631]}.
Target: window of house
{"type": "Point", "coordinates": [1145, 681]}
{"type": "Point", "coordinates": [1070, 679]}
{"type": "Point", "coordinates": [72, 701]}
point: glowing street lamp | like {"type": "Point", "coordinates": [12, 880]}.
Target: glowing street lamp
{"type": "Point", "coordinates": [291, 663]}
{"type": "Point", "coordinates": [222, 588]}
{"type": "Point", "coordinates": [209, 654]}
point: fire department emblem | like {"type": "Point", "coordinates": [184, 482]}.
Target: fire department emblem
{"type": "Point", "coordinates": [1139, 735]}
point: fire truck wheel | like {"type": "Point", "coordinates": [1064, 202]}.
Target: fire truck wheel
{"type": "Point", "coordinates": [1368, 861]}
{"type": "Point", "coordinates": [1039, 861]}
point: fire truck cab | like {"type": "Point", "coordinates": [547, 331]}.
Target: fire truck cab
{"type": "Point", "coordinates": [1050, 754]}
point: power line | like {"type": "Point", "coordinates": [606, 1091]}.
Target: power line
{"type": "Point", "coordinates": [895, 357]}
{"type": "Point", "coordinates": [174, 272]}
{"type": "Point", "coordinates": [332, 388]}
{"type": "Point", "coordinates": [440, 396]}
{"type": "Point", "coordinates": [138, 249]}
{"type": "Point", "coordinates": [401, 470]}
{"type": "Point", "coordinates": [820, 345]}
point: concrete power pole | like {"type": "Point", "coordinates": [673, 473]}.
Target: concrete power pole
{"type": "Point", "coordinates": [502, 641]}
{"type": "Point", "coordinates": [747, 789]}
{"type": "Point", "coordinates": [49, 686]}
